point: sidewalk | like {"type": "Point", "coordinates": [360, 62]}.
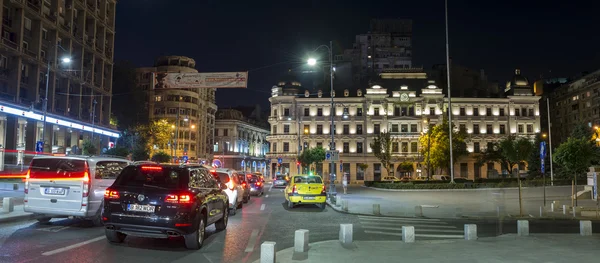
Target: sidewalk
{"type": "Point", "coordinates": [482, 203]}
{"type": "Point", "coordinates": [17, 215]}
{"type": "Point", "coordinates": [507, 248]}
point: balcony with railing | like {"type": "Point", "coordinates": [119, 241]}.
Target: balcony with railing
{"type": "Point", "coordinates": [7, 22]}
{"type": "Point", "coordinates": [30, 53]}
{"type": "Point", "coordinates": [34, 4]}
{"type": "Point", "coordinates": [10, 43]}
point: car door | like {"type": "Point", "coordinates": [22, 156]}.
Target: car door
{"type": "Point", "coordinates": [218, 198]}
{"type": "Point", "coordinates": [203, 193]}
{"type": "Point", "coordinates": [238, 186]}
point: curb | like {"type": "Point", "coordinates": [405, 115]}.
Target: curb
{"type": "Point", "coordinates": [450, 190]}
{"type": "Point", "coordinates": [17, 218]}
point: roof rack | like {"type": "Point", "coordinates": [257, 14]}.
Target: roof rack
{"type": "Point", "coordinates": [143, 162]}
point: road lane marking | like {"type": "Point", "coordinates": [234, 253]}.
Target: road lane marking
{"type": "Point", "coordinates": [398, 218]}
{"type": "Point", "coordinates": [399, 229]}
{"type": "Point", "coordinates": [54, 228]}
{"type": "Point", "coordinates": [366, 225]}
{"type": "Point", "coordinates": [56, 251]}
{"type": "Point", "coordinates": [262, 207]}
{"type": "Point", "coordinates": [430, 206]}
{"type": "Point", "coordinates": [266, 196]}
{"type": "Point", "coordinates": [252, 241]}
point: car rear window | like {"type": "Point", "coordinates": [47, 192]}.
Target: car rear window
{"type": "Point", "coordinates": [154, 176]}
{"type": "Point", "coordinates": [57, 168]}
{"type": "Point", "coordinates": [223, 177]}
{"type": "Point", "coordinates": [307, 180]}
{"type": "Point", "coordinates": [280, 177]}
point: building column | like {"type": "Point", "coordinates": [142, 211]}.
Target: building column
{"type": "Point", "coordinates": [3, 124]}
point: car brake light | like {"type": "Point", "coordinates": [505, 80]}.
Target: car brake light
{"type": "Point", "coordinates": [230, 185]}
{"type": "Point", "coordinates": [323, 190]}
{"type": "Point", "coordinates": [26, 188]}
{"type": "Point", "coordinates": [258, 183]}
{"type": "Point", "coordinates": [294, 190]}
{"type": "Point", "coordinates": [110, 194]}
{"type": "Point", "coordinates": [179, 199]}
{"type": "Point", "coordinates": [151, 168]}
{"type": "Point", "coordinates": [244, 184]}
{"type": "Point", "coordinates": [86, 182]}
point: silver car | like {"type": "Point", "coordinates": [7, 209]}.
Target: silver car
{"type": "Point", "coordinates": [280, 181]}
{"type": "Point", "coordinates": [62, 186]}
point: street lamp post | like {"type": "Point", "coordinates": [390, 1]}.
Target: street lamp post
{"type": "Point", "coordinates": [45, 102]}
{"type": "Point", "coordinates": [428, 149]}
{"type": "Point", "coordinates": [312, 62]}
{"type": "Point", "coordinates": [451, 129]}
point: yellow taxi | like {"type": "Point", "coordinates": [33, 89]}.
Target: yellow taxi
{"type": "Point", "coordinates": [305, 189]}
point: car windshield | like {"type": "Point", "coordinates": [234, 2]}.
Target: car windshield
{"type": "Point", "coordinates": [280, 177]}
{"type": "Point", "coordinates": [307, 180]}
{"type": "Point", "coordinates": [153, 176]}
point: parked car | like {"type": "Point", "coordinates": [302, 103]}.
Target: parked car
{"type": "Point", "coordinates": [162, 201]}
{"type": "Point", "coordinates": [245, 186]}
{"type": "Point", "coordinates": [234, 189]}
{"type": "Point", "coordinates": [256, 184]}
{"type": "Point", "coordinates": [62, 186]}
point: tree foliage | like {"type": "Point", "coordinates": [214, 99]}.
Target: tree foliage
{"type": "Point", "coordinates": [118, 151]}
{"type": "Point", "coordinates": [438, 153]}
{"type": "Point", "coordinates": [575, 156]}
{"type": "Point", "coordinates": [161, 157]}
{"type": "Point", "coordinates": [509, 152]}
{"type": "Point", "coordinates": [89, 147]}
{"type": "Point", "coordinates": [382, 149]}
{"type": "Point", "coordinates": [311, 156]}
{"type": "Point", "coordinates": [534, 164]}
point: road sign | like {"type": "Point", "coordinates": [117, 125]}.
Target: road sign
{"type": "Point", "coordinates": [279, 160]}
{"type": "Point", "coordinates": [542, 150]}
{"type": "Point", "coordinates": [332, 156]}
{"type": "Point", "coordinates": [185, 158]}
{"type": "Point", "coordinates": [39, 146]}
{"type": "Point", "coordinates": [341, 167]}
{"type": "Point", "coordinates": [543, 166]}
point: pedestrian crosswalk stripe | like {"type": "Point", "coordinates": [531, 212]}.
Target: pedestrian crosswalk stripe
{"type": "Point", "coordinates": [407, 224]}
{"type": "Point", "coordinates": [399, 218]}
{"type": "Point", "coordinates": [417, 235]}
{"type": "Point", "coordinates": [402, 221]}
{"type": "Point", "coordinates": [416, 229]}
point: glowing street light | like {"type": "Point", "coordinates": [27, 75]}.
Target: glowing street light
{"type": "Point", "coordinates": [312, 61]}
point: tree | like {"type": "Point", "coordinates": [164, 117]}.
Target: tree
{"type": "Point", "coordinates": [575, 156]}
{"type": "Point", "coordinates": [89, 148]}
{"type": "Point", "coordinates": [534, 169]}
{"type": "Point", "coordinates": [582, 131]}
{"type": "Point", "coordinates": [438, 152]}
{"type": "Point", "coordinates": [311, 156]}
{"type": "Point", "coordinates": [158, 132]}
{"type": "Point", "coordinates": [161, 157]}
{"type": "Point", "coordinates": [382, 149]}
{"type": "Point", "coordinates": [509, 152]}
{"type": "Point", "coordinates": [118, 151]}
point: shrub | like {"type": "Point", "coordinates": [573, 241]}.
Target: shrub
{"type": "Point", "coordinates": [161, 157]}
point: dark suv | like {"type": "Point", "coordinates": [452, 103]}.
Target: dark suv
{"type": "Point", "coordinates": [162, 201]}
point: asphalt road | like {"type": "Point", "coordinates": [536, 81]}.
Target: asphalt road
{"type": "Point", "coordinates": [262, 219]}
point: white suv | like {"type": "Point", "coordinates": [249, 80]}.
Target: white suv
{"type": "Point", "coordinates": [234, 190]}
{"type": "Point", "coordinates": [70, 185]}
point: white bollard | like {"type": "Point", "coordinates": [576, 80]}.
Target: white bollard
{"type": "Point", "coordinates": [574, 212]}
{"type": "Point", "coordinates": [345, 205]}
{"type": "Point", "coordinates": [470, 232]}
{"type": "Point", "coordinates": [376, 209]}
{"type": "Point", "coordinates": [267, 252]}
{"type": "Point", "coordinates": [338, 200]}
{"type": "Point", "coordinates": [552, 207]}
{"type": "Point", "coordinates": [541, 211]}
{"type": "Point", "coordinates": [585, 227]}
{"type": "Point", "coordinates": [345, 234]}
{"type": "Point", "coordinates": [8, 205]}
{"type": "Point", "coordinates": [408, 234]}
{"type": "Point", "coordinates": [564, 209]}
{"type": "Point", "coordinates": [523, 227]}
{"type": "Point", "coordinates": [301, 240]}
{"type": "Point", "coordinates": [418, 211]}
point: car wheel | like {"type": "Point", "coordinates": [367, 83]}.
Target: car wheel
{"type": "Point", "coordinates": [222, 223]}
{"type": "Point", "coordinates": [322, 206]}
{"type": "Point", "coordinates": [114, 236]}
{"type": "Point", "coordinates": [43, 219]}
{"type": "Point", "coordinates": [233, 210]}
{"type": "Point", "coordinates": [241, 204]}
{"type": "Point", "coordinates": [247, 199]}
{"type": "Point", "coordinates": [196, 239]}
{"type": "Point", "coordinates": [97, 219]}
{"type": "Point", "coordinates": [290, 205]}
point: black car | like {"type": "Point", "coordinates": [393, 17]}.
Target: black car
{"type": "Point", "coordinates": [162, 201]}
{"type": "Point", "coordinates": [256, 184]}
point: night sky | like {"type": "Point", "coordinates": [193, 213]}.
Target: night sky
{"type": "Point", "coordinates": [554, 38]}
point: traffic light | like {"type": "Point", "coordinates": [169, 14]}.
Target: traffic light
{"type": "Point", "coordinates": [298, 163]}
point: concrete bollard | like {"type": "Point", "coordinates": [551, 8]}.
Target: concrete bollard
{"type": "Point", "coordinates": [345, 205]}
{"type": "Point", "coordinates": [565, 209]}
{"type": "Point", "coordinates": [585, 227]}
{"type": "Point", "coordinates": [376, 209]}
{"type": "Point", "coordinates": [8, 205]}
{"type": "Point", "coordinates": [345, 234]}
{"type": "Point", "coordinates": [418, 211]}
{"type": "Point", "coordinates": [552, 207]}
{"type": "Point", "coordinates": [301, 240]}
{"type": "Point", "coordinates": [338, 200]}
{"type": "Point", "coordinates": [267, 252]}
{"type": "Point", "coordinates": [470, 232]}
{"type": "Point", "coordinates": [408, 234]}
{"type": "Point", "coordinates": [541, 211]}
{"type": "Point", "coordinates": [523, 227]}
{"type": "Point", "coordinates": [500, 211]}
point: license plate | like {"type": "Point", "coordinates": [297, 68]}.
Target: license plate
{"type": "Point", "coordinates": [141, 208]}
{"type": "Point", "coordinates": [309, 198]}
{"type": "Point", "coordinates": [54, 191]}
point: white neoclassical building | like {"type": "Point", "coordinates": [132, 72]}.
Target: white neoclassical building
{"type": "Point", "coordinates": [240, 142]}
{"type": "Point", "coordinates": [299, 120]}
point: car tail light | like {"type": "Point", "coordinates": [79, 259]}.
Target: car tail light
{"type": "Point", "coordinates": [257, 183]}
{"type": "Point", "coordinates": [179, 198]}
{"type": "Point", "coordinates": [87, 184]}
{"type": "Point", "coordinates": [111, 194]}
{"type": "Point", "coordinates": [26, 190]}
{"type": "Point", "coordinates": [244, 184]}
{"type": "Point", "coordinates": [151, 168]}
{"type": "Point", "coordinates": [294, 190]}
{"type": "Point", "coordinates": [230, 185]}
{"type": "Point", "coordinates": [323, 190]}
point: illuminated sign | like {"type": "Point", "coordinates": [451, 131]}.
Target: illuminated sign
{"type": "Point", "coordinates": [40, 117]}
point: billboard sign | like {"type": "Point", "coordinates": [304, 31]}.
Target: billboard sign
{"type": "Point", "coordinates": [202, 80]}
